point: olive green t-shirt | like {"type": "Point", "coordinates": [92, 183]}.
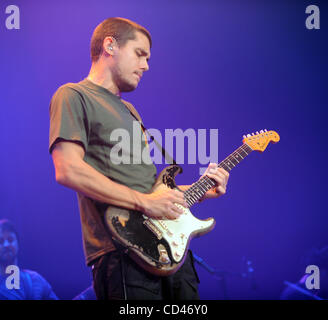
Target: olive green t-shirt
{"type": "Point", "coordinates": [114, 145]}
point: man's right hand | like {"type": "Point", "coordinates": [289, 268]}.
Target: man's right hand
{"type": "Point", "coordinates": [161, 204]}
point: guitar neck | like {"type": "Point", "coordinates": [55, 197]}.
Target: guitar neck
{"type": "Point", "coordinates": [199, 188]}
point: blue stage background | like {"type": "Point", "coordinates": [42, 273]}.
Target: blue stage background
{"type": "Point", "coordinates": [238, 66]}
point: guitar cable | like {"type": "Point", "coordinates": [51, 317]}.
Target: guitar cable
{"type": "Point", "coordinates": [123, 276]}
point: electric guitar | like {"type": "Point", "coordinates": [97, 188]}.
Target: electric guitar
{"type": "Point", "coordinates": [160, 246]}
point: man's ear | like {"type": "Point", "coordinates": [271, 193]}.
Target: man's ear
{"type": "Point", "coordinates": [110, 45]}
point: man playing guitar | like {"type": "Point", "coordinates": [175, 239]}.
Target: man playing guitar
{"type": "Point", "coordinates": [82, 117]}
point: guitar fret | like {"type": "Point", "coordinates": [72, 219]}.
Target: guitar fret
{"type": "Point", "coordinates": [193, 201]}
{"type": "Point", "coordinates": [191, 196]}
{"type": "Point", "coordinates": [248, 148]}
{"type": "Point", "coordinates": [234, 160]}
{"type": "Point", "coordinates": [202, 188]}
{"type": "Point", "coordinates": [208, 182]}
{"type": "Point", "coordinates": [197, 192]}
{"type": "Point", "coordinates": [189, 202]}
{"type": "Point", "coordinates": [211, 182]}
{"type": "Point", "coordinates": [225, 167]}
{"type": "Point", "coordinates": [235, 156]}
{"type": "Point", "coordinates": [187, 194]}
{"type": "Point", "coordinates": [229, 163]}
{"type": "Point", "coordinates": [243, 151]}
{"type": "Point", "coordinates": [198, 188]}
{"type": "Point", "coordinates": [202, 183]}
{"type": "Point", "coordinates": [238, 154]}
{"type": "Point", "coordinates": [199, 195]}
{"type": "Point", "coordinates": [194, 198]}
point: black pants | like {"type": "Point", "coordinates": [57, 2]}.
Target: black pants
{"type": "Point", "coordinates": [117, 276]}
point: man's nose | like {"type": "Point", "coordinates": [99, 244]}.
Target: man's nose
{"type": "Point", "coordinates": [145, 66]}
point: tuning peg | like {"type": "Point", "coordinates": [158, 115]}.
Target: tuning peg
{"type": "Point", "coordinates": [252, 133]}
{"type": "Point", "coordinates": [261, 131]}
{"type": "Point", "coordinates": [244, 136]}
{"type": "Point", "coordinates": [257, 132]}
{"type": "Point", "coordinates": [248, 135]}
{"type": "Point", "coordinates": [265, 130]}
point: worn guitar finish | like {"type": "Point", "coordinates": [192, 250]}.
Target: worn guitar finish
{"type": "Point", "coordinates": [160, 245]}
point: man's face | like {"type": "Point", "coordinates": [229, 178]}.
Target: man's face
{"type": "Point", "coordinates": [8, 247]}
{"type": "Point", "coordinates": [131, 61]}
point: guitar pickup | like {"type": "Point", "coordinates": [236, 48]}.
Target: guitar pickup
{"type": "Point", "coordinates": [153, 229]}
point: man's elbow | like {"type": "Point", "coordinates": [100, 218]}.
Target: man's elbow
{"type": "Point", "coordinates": [61, 178]}
{"type": "Point", "coordinates": [64, 173]}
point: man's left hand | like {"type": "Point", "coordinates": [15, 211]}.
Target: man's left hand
{"type": "Point", "coordinates": [221, 177]}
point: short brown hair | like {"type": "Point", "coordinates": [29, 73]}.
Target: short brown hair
{"type": "Point", "coordinates": [119, 28]}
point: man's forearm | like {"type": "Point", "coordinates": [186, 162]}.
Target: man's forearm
{"type": "Point", "coordinates": [85, 179]}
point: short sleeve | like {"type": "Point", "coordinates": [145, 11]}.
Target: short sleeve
{"type": "Point", "coordinates": [68, 119]}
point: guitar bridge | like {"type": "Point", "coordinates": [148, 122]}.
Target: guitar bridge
{"type": "Point", "coordinates": [163, 255]}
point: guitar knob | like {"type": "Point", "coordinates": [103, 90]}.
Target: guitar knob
{"type": "Point", "coordinates": [261, 131]}
{"type": "Point", "coordinates": [248, 135]}
{"type": "Point", "coordinates": [257, 132]}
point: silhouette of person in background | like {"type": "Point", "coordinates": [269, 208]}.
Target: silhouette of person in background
{"type": "Point", "coordinates": [317, 256]}
{"type": "Point", "coordinates": [32, 286]}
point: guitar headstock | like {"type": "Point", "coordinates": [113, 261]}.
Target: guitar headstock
{"type": "Point", "coordinates": [260, 140]}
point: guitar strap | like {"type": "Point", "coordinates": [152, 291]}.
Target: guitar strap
{"type": "Point", "coordinates": [169, 159]}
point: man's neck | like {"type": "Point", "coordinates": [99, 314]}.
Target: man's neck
{"type": "Point", "coordinates": [102, 76]}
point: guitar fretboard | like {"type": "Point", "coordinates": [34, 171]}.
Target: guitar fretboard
{"type": "Point", "coordinates": [199, 188]}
